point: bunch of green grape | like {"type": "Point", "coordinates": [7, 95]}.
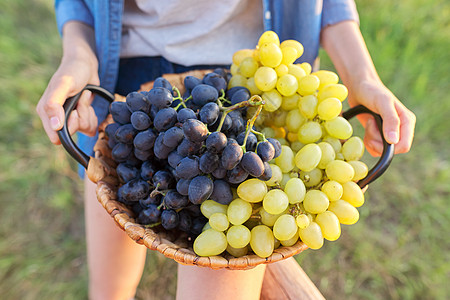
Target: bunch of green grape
{"type": "Point", "coordinates": [313, 188]}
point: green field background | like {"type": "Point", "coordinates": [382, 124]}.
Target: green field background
{"type": "Point", "coordinates": [398, 250]}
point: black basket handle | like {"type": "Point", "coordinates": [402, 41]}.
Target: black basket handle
{"type": "Point", "coordinates": [64, 135]}
{"type": "Point", "coordinates": [388, 149]}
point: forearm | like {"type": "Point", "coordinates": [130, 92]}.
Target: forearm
{"type": "Point", "coordinates": [79, 42]}
{"type": "Point", "coordinates": [346, 47]}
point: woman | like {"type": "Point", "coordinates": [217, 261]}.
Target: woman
{"type": "Point", "coordinates": [121, 45]}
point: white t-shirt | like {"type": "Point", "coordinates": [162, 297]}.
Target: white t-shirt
{"type": "Point", "coordinates": [190, 33]}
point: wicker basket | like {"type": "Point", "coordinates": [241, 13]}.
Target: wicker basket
{"type": "Point", "coordinates": [101, 170]}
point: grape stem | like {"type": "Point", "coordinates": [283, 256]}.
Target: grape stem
{"type": "Point", "coordinates": [252, 121]}
{"type": "Point", "coordinates": [260, 134]}
{"type": "Point", "coordinates": [182, 101]}
{"type": "Point", "coordinates": [222, 98]}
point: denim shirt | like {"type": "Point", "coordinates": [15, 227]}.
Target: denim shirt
{"type": "Point", "coordinates": [301, 20]}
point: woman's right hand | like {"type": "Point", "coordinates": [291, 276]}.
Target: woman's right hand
{"type": "Point", "coordinates": [79, 66]}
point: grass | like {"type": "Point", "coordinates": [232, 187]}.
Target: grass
{"type": "Point", "coordinates": [398, 250]}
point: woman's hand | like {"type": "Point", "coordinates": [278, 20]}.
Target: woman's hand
{"type": "Point", "coordinates": [346, 47]}
{"type": "Point", "coordinates": [78, 67]}
{"type": "Point", "coordinates": [398, 121]}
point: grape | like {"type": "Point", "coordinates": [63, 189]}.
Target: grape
{"type": "Point", "coordinates": [210, 242]}
{"type": "Point", "coordinates": [194, 130]}
{"type": "Point", "coordinates": [210, 207]}
{"type": "Point", "coordinates": [277, 175]}
{"type": "Point", "coordinates": [295, 190]}
{"type": "Point", "coordinates": [307, 85]}
{"type": "Point", "coordinates": [329, 108]}
{"type": "Point", "coordinates": [126, 172]}
{"type": "Point", "coordinates": [149, 215]}
{"type": "Point", "coordinates": [329, 224]}
{"type": "Point", "coordinates": [237, 121]}
{"type": "Point", "coordinates": [162, 82]}
{"type": "Point", "coordinates": [238, 236]}
{"type": "Point", "coordinates": [160, 97]}
{"type": "Point", "coordinates": [185, 114]}
{"type": "Point", "coordinates": [315, 202]}
{"type": "Point", "coordinates": [188, 168]}
{"type": "Point", "coordinates": [163, 180]}
{"type": "Point", "coordinates": [333, 190]}
{"type": "Point", "coordinates": [237, 80]}
{"type": "Point", "coordinates": [285, 227]}
{"type": "Point", "coordinates": [248, 66]}
{"type": "Point", "coordinates": [353, 148]}
{"type": "Point", "coordinates": [302, 221]}
{"type": "Point", "coordinates": [340, 156]}
{"type": "Point", "coordinates": [360, 169]}
{"type": "Point", "coordinates": [308, 157]}
{"type": "Point", "coordinates": [265, 150]}
{"type": "Point", "coordinates": [187, 147]}
{"type": "Point", "coordinates": [236, 175]}
{"type": "Point", "coordinates": [230, 92]}
{"type": "Point", "coordinates": [294, 120]}
{"type": "Point", "coordinates": [339, 171]}
{"type": "Point", "coordinates": [215, 80]}
{"type": "Point", "coordinates": [203, 93]}
{"type": "Point", "coordinates": [231, 156]}
{"type": "Point", "coordinates": [311, 236]}
{"type": "Point", "coordinates": [352, 193]}
{"type": "Point", "coordinates": [310, 132]}
{"type": "Point", "coordinates": [269, 219]}
{"type": "Point", "coordinates": [239, 96]}
{"type": "Point", "coordinates": [290, 103]}
{"type": "Point", "coordinates": [148, 169]}
{"type": "Point", "coordinates": [289, 55]}
{"type": "Point", "coordinates": [140, 120]}
{"type": "Point", "coordinates": [120, 112]}
{"type": "Point", "coordinates": [286, 159]}
{"type": "Point", "coordinates": [175, 200]}
{"type": "Point", "coordinates": [287, 85]}
{"type": "Point", "coordinates": [306, 67]}
{"type": "Point", "coordinates": [334, 142]}
{"type": "Point", "coordinates": [276, 145]}
{"type": "Point", "coordinates": [281, 70]}
{"type": "Point", "coordinates": [251, 86]}
{"type": "Point", "coordinates": [125, 134]}
{"type": "Point", "coordinates": [275, 201]}
{"type": "Point", "coordinates": [234, 71]}
{"type": "Point", "coordinates": [110, 130]}
{"type": "Point", "coordinates": [252, 140]}
{"type": "Point", "coordinates": [172, 137]}
{"type": "Point", "coordinates": [208, 162]}
{"type": "Point", "coordinates": [308, 106]}
{"type": "Point", "coordinates": [291, 241]}
{"type": "Point", "coordinates": [197, 225]}
{"type": "Point", "coordinates": [145, 140]}
{"type": "Point", "coordinates": [262, 241]}
{"type": "Point", "coordinates": [190, 82]}
{"type": "Point", "coordinates": [138, 102]}
{"type": "Point", "coordinates": [268, 37]}
{"type": "Point", "coordinates": [240, 55]}
{"type": "Point", "coordinates": [239, 211]}
{"type": "Point", "coordinates": [297, 71]}
{"type": "Point", "coordinates": [311, 178]}
{"type": "Point", "coordinates": [272, 100]}
{"type": "Point", "coordinates": [183, 186]}
{"type": "Point", "coordinates": [345, 212]}
{"type": "Point", "coordinates": [221, 192]}
{"type": "Point", "coordinates": [252, 163]}
{"type": "Point", "coordinates": [278, 118]}
{"type": "Point", "coordinates": [333, 91]}
{"type": "Point", "coordinates": [121, 152]}
{"type": "Point", "coordinates": [219, 221]}
{"type": "Point", "coordinates": [200, 188]}
{"type": "Point", "coordinates": [265, 78]}
{"type": "Point", "coordinates": [185, 223]}
{"type": "Point", "coordinates": [133, 190]}
{"type": "Point", "coordinates": [161, 151]}
{"type": "Point", "coordinates": [237, 252]}
{"type": "Point", "coordinates": [252, 190]}
{"type": "Point", "coordinates": [294, 44]}
{"type": "Point", "coordinates": [165, 118]}
{"type": "Point", "coordinates": [153, 111]}
{"type": "Point", "coordinates": [219, 173]}
{"type": "Point", "coordinates": [296, 146]}
{"type": "Point", "coordinates": [209, 113]}
{"type": "Point", "coordinates": [326, 77]}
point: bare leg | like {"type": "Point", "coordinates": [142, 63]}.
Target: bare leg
{"type": "Point", "coordinates": [197, 283]}
{"type": "Point", "coordinates": [115, 261]}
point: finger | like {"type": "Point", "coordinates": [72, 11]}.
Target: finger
{"type": "Point", "coordinates": [372, 138]}
{"type": "Point", "coordinates": [391, 120]}
{"type": "Point", "coordinates": [84, 112]}
{"type": "Point", "coordinates": [73, 123]}
{"type": "Point", "coordinates": [406, 129]}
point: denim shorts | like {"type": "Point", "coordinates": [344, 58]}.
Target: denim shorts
{"type": "Point", "coordinates": [132, 73]}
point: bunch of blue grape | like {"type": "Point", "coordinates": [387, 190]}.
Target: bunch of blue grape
{"type": "Point", "coordinates": [174, 152]}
